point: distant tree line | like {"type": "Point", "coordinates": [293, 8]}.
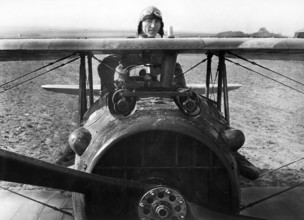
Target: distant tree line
{"type": "Point", "coordinates": [262, 32]}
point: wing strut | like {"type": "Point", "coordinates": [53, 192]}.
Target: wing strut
{"type": "Point", "coordinates": [82, 103]}
{"type": "Point", "coordinates": [225, 87]}
{"type": "Point", "coordinates": [222, 84]}
{"type": "Point", "coordinates": [91, 97]}
{"type": "Point", "coordinates": [209, 61]}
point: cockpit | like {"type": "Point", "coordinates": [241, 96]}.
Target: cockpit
{"type": "Point", "coordinates": [157, 71]}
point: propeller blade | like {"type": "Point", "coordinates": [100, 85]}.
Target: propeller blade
{"type": "Point", "coordinates": [22, 169]}
{"type": "Point", "coordinates": [196, 212]}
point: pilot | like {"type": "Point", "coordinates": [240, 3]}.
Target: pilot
{"type": "Point", "coordinates": [150, 25]}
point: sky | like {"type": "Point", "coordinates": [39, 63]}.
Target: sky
{"type": "Point", "coordinates": [212, 16]}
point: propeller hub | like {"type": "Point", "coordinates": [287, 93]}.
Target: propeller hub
{"type": "Point", "coordinates": [162, 203]}
{"type": "Point", "coordinates": [162, 211]}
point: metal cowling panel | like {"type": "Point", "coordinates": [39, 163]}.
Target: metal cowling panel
{"type": "Point", "coordinates": [168, 158]}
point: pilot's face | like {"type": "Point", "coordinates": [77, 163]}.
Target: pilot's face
{"type": "Point", "coordinates": [150, 27]}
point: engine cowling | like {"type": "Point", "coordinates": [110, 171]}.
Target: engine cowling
{"type": "Point", "coordinates": [162, 147]}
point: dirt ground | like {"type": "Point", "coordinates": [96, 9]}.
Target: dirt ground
{"type": "Point", "coordinates": [271, 117]}
{"type": "Point", "coordinates": [37, 123]}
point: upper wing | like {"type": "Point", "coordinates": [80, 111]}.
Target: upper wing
{"type": "Point", "coordinates": [257, 48]}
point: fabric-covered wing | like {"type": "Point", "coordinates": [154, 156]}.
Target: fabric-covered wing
{"type": "Point", "coordinates": [257, 48]}
{"type": "Point", "coordinates": [74, 89]}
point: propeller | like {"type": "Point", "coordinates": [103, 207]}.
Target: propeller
{"type": "Point", "coordinates": [22, 169]}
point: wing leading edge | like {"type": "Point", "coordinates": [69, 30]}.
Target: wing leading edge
{"type": "Point", "coordinates": [74, 89]}
{"type": "Point", "coordinates": [254, 48]}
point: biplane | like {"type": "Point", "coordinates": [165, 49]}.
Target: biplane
{"type": "Point", "coordinates": [137, 158]}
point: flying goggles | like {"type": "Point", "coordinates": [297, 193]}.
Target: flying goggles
{"type": "Point", "coordinates": [150, 12]}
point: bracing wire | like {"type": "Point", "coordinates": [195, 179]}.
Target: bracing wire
{"type": "Point", "coordinates": [238, 64]}
{"type": "Point", "coordinates": [269, 197]}
{"type": "Point", "coordinates": [40, 75]}
{"type": "Point", "coordinates": [204, 60]}
{"type": "Point", "coordinates": [96, 58]}
{"type": "Point", "coordinates": [278, 168]}
{"type": "Point", "coordinates": [111, 68]}
{"type": "Point", "coordinates": [40, 68]}
{"type": "Point", "coordinates": [42, 203]}
{"type": "Point", "coordinates": [275, 194]}
{"type": "Point", "coordinates": [254, 63]}
{"type": "Point", "coordinates": [266, 173]}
